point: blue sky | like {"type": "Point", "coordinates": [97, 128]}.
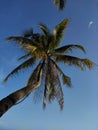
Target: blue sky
{"type": "Point", "coordinates": [81, 102]}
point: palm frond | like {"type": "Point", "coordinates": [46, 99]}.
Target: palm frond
{"type": "Point", "coordinates": [46, 86]}
{"type": "Point", "coordinates": [66, 79]}
{"type": "Point", "coordinates": [47, 36]}
{"type": "Point", "coordinates": [59, 92]}
{"type": "Point", "coordinates": [38, 95]}
{"type": "Point", "coordinates": [88, 63]}
{"type": "Point", "coordinates": [50, 42]}
{"type": "Point", "coordinates": [51, 93]}
{"type": "Point", "coordinates": [60, 4]}
{"type": "Point", "coordinates": [19, 39]}
{"type": "Point", "coordinates": [59, 32]}
{"type": "Point", "coordinates": [55, 81]}
{"type": "Point", "coordinates": [29, 47]}
{"type": "Point", "coordinates": [44, 28]}
{"type": "Point", "coordinates": [27, 44]}
{"type": "Point", "coordinates": [24, 65]}
{"type": "Point", "coordinates": [69, 48]}
{"type": "Point", "coordinates": [52, 87]}
{"type": "Point", "coordinates": [25, 56]}
{"type": "Point", "coordinates": [71, 60]}
{"type": "Point", "coordinates": [45, 97]}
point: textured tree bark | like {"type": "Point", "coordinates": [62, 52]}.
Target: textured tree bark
{"type": "Point", "coordinates": [9, 101]}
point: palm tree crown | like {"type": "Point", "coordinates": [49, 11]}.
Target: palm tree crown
{"type": "Point", "coordinates": [44, 49]}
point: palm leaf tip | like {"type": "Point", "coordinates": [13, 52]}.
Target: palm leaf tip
{"type": "Point", "coordinates": [61, 26]}
{"type": "Point", "coordinates": [44, 28]}
{"type": "Point", "coordinates": [88, 63]}
{"type": "Point", "coordinates": [14, 38]}
{"type": "Point", "coordinates": [44, 106]}
{"type": "Point", "coordinates": [61, 104]}
{"type": "Point", "coordinates": [8, 39]}
{"type": "Point", "coordinates": [5, 79]}
{"type": "Point", "coordinates": [79, 47]}
{"type": "Point", "coordinates": [66, 80]}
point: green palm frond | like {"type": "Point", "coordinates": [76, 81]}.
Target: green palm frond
{"type": "Point", "coordinates": [24, 65]}
{"type": "Point", "coordinates": [45, 29]}
{"type": "Point", "coordinates": [27, 44]}
{"type": "Point", "coordinates": [60, 4]}
{"type": "Point", "coordinates": [71, 60]}
{"type": "Point", "coordinates": [25, 56]}
{"type": "Point", "coordinates": [69, 48]}
{"type": "Point", "coordinates": [55, 82]}
{"type": "Point", "coordinates": [59, 32]}
{"type": "Point", "coordinates": [19, 39]}
{"type": "Point", "coordinates": [66, 79]}
{"type": "Point", "coordinates": [59, 94]}
{"type": "Point", "coordinates": [88, 63]}
{"type": "Point", "coordinates": [29, 47]}
{"type": "Point", "coordinates": [47, 38]}
{"type": "Point", "coordinates": [23, 41]}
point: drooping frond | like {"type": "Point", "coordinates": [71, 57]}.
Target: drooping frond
{"type": "Point", "coordinates": [60, 4]}
{"type": "Point", "coordinates": [66, 79]}
{"type": "Point", "coordinates": [24, 65]}
{"type": "Point", "coordinates": [69, 48]}
{"type": "Point", "coordinates": [46, 86]}
{"type": "Point", "coordinates": [59, 32]}
{"type": "Point", "coordinates": [52, 93]}
{"type": "Point", "coordinates": [71, 60]}
{"type": "Point", "coordinates": [45, 97]}
{"type": "Point", "coordinates": [52, 88]}
{"type": "Point", "coordinates": [55, 83]}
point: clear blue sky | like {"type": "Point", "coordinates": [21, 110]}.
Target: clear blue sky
{"type": "Point", "coordinates": [81, 102]}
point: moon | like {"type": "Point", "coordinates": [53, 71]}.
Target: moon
{"type": "Point", "coordinates": [90, 24]}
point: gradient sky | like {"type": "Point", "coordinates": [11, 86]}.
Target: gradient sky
{"type": "Point", "coordinates": [81, 101]}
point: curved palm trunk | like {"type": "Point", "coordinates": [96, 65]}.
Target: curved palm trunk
{"type": "Point", "coordinates": [9, 101]}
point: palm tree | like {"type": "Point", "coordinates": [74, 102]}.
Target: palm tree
{"type": "Point", "coordinates": [60, 4]}
{"type": "Point", "coordinates": [43, 51]}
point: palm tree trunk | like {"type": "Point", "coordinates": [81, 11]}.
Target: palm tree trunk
{"type": "Point", "coordinates": [9, 101]}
